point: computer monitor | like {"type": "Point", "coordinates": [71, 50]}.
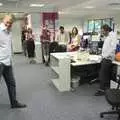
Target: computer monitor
{"type": "Point", "coordinates": [95, 38]}
{"type": "Point", "coordinates": [86, 37]}
{"type": "Point", "coordinates": [100, 44]}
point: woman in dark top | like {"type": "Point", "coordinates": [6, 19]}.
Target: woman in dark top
{"type": "Point", "coordinates": [30, 45]}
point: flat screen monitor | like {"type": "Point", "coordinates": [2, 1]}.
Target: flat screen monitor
{"type": "Point", "coordinates": [86, 37]}
{"type": "Point", "coordinates": [95, 38]}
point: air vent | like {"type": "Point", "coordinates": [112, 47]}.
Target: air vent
{"type": "Point", "coordinates": [114, 4]}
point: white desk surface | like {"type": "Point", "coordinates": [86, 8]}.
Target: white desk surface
{"type": "Point", "coordinates": [89, 59]}
{"type": "Point", "coordinates": [77, 63]}
{"type": "Point", "coordinates": [60, 55]}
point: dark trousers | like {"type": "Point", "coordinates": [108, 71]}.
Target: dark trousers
{"type": "Point", "coordinates": [7, 73]}
{"type": "Point", "coordinates": [24, 47]}
{"type": "Point", "coordinates": [105, 74]}
{"type": "Point", "coordinates": [30, 48]}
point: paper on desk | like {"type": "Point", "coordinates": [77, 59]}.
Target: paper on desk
{"type": "Point", "coordinates": [96, 58]}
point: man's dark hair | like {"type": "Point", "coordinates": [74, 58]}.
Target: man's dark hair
{"type": "Point", "coordinates": [106, 27]}
{"type": "Point", "coordinates": [61, 27]}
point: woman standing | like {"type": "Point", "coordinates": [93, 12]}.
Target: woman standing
{"type": "Point", "coordinates": [75, 40]}
{"type": "Point", "coordinates": [30, 45]}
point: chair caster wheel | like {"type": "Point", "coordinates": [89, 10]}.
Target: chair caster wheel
{"type": "Point", "coordinates": [101, 116]}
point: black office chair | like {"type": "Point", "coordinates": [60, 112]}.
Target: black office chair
{"type": "Point", "coordinates": [113, 98]}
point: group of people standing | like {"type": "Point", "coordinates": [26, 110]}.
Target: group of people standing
{"type": "Point", "coordinates": [68, 42]}
{"type": "Point", "coordinates": [63, 42]}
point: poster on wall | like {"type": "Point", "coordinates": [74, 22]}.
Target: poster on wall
{"type": "Point", "coordinates": [50, 20]}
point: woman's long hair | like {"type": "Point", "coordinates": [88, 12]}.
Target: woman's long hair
{"type": "Point", "coordinates": [74, 34]}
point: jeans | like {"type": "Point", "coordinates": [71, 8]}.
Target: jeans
{"type": "Point", "coordinates": [46, 51]}
{"type": "Point", "coordinates": [7, 73]}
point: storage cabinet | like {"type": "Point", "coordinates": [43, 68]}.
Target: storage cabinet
{"type": "Point", "coordinates": [60, 64]}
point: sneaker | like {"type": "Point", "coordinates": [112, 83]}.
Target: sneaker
{"type": "Point", "coordinates": [18, 105]}
{"type": "Point", "coordinates": [100, 93]}
{"type": "Point", "coordinates": [47, 64]}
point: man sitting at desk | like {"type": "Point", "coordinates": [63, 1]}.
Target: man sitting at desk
{"type": "Point", "coordinates": [108, 55]}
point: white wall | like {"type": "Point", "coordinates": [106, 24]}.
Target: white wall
{"type": "Point", "coordinates": [36, 23]}
{"type": "Point", "coordinates": [16, 37]}
{"type": "Point", "coordinates": [70, 22]}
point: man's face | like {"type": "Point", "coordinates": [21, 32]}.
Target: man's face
{"type": "Point", "coordinates": [62, 30]}
{"type": "Point", "coordinates": [8, 22]}
{"type": "Point", "coordinates": [104, 32]}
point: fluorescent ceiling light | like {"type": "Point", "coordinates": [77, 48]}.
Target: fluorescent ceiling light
{"type": "Point", "coordinates": [1, 4]}
{"type": "Point", "coordinates": [89, 7]}
{"type": "Point", "coordinates": [116, 8]}
{"type": "Point", "coordinates": [37, 5]}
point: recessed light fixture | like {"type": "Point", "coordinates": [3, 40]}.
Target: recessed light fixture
{"type": "Point", "coordinates": [1, 4]}
{"type": "Point", "coordinates": [116, 8]}
{"type": "Point", "coordinates": [37, 5]}
{"type": "Point", "coordinates": [89, 7]}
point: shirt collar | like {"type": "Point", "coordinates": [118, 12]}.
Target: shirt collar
{"type": "Point", "coordinates": [3, 27]}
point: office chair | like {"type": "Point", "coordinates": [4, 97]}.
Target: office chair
{"type": "Point", "coordinates": [113, 98]}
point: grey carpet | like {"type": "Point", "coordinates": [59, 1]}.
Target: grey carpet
{"type": "Point", "coordinates": [44, 101]}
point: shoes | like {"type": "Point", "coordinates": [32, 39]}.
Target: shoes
{"type": "Point", "coordinates": [46, 64]}
{"type": "Point", "coordinates": [100, 93]}
{"type": "Point", "coordinates": [18, 105]}
{"type": "Point", "coordinates": [32, 62]}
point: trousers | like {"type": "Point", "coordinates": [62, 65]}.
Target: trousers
{"type": "Point", "coordinates": [46, 51]}
{"type": "Point", "coordinates": [105, 74]}
{"type": "Point", "coordinates": [7, 73]}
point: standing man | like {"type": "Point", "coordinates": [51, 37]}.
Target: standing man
{"type": "Point", "coordinates": [108, 55]}
{"type": "Point", "coordinates": [45, 42]}
{"type": "Point", "coordinates": [62, 38]}
{"type": "Point", "coordinates": [5, 60]}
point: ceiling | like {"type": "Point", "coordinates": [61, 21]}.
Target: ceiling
{"type": "Point", "coordinates": [65, 7]}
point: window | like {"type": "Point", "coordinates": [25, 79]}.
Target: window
{"type": "Point", "coordinates": [91, 26]}
{"type": "Point", "coordinates": [95, 24]}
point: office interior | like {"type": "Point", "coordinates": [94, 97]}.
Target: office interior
{"type": "Point", "coordinates": [65, 89]}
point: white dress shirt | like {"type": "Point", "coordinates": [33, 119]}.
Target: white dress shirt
{"type": "Point", "coordinates": [62, 38]}
{"type": "Point", "coordinates": [109, 46]}
{"type": "Point", "coordinates": [5, 45]}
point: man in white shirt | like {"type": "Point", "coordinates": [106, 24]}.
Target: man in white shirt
{"type": "Point", "coordinates": [62, 38]}
{"type": "Point", "coordinates": [108, 55]}
{"type": "Point", "coordinates": [6, 62]}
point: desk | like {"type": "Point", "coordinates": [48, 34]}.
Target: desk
{"type": "Point", "coordinates": [61, 64]}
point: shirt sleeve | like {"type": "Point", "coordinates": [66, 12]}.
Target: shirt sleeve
{"type": "Point", "coordinates": [113, 43]}
{"type": "Point", "coordinates": [56, 37]}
